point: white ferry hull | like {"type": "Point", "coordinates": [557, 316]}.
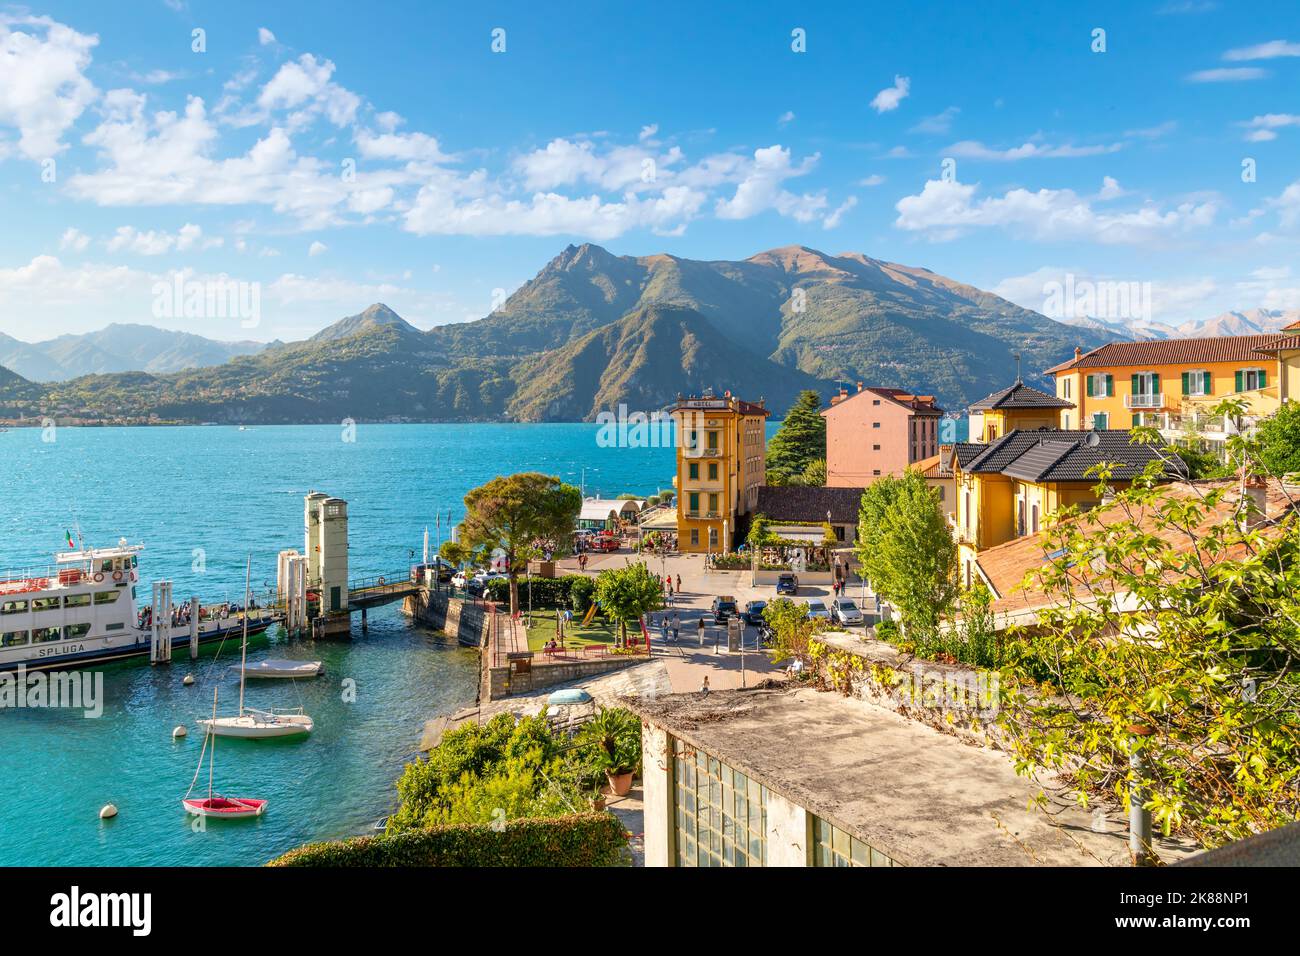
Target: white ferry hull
{"type": "Point", "coordinates": [89, 651]}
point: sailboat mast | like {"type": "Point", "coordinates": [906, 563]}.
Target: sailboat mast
{"type": "Point", "coordinates": [243, 649]}
{"type": "Point", "coordinates": [212, 755]}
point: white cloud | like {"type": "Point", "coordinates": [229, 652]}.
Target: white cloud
{"type": "Point", "coordinates": [1226, 74]}
{"type": "Point", "coordinates": [973, 149]}
{"type": "Point", "coordinates": [937, 124]}
{"type": "Point", "coordinates": [74, 239]}
{"type": "Point", "coordinates": [407, 147]}
{"type": "Point", "coordinates": [875, 179]}
{"type": "Point", "coordinates": [1074, 293]}
{"type": "Point", "coordinates": [305, 86]}
{"type": "Point", "coordinates": [1264, 51]}
{"type": "Point", "coordinates": [264, 36]}
{"type": "Point", "coordinates": [43, 87]}
{"type": "Point", "coordinates": [945, 210]}
{"type": "Point", "coordinates": [889, 98]}
{"type": "Point", "coordinates": [786, 117]}
{"type": "Point", "coordinates": [317, 248]}
{"type": "Point", "coordinates": [761, 189]}
{"type": "Point", "coordinates": [648, 132]}
{"type": "Point", "coordinates": [833, 220]}
{"type": "Point", "coordinates": [1110, 188]}
{"type": "Point", "coordinates": [155, 243]}
{"type": "Point", "coordinates": [1263, 128]}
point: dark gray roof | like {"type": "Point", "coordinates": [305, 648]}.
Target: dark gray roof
{"type": "Point", "coordinates": [967, 451]}
{"type": "Point", "coordinates": [809, 503]}
{"type": "Point", "coordinates": [1020, 395]}
{"type": "Point", "coordinates": [1055, 455]}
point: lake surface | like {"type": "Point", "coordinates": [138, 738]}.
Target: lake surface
{"type": "Point", "coordinates": [201, 499]}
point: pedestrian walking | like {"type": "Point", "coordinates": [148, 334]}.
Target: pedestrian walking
{"type": "Point", "coordinates": [679, 582]}
{"type": "Point", "coordinates": [701, 629]}
{"type": "Point", "coordinates": [704, 687]}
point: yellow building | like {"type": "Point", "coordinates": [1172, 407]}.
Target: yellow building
{"type": "Point", "coordinates": [1007, 488]}
{"type": "Point", "coordinates": [1017, 407]}
{"type": "Point", "coordinates": [1168, 383]}
{"type": "Point", "coordinates": [721, 464]}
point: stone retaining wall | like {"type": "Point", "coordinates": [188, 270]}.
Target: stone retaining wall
{"type": "Point", "coordinates": [466, 621]}
{"type": "Point", "coordinates": [496, 684]}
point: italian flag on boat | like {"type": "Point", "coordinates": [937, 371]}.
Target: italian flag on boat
{"type": "Point", "coordinates": [71, 544]}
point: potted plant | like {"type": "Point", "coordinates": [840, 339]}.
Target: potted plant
{"type": "Point", "coordinates": [613, 738]}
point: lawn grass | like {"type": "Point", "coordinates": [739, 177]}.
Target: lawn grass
{"type": "Point", "coordinates": [543, 629]}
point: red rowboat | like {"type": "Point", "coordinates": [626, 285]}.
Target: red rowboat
{"type": "Point", "coordinates": [226, 808]}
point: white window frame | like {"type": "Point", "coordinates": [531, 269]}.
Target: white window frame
{"type": "Point", "coordinates": [1245, 378]}
{"type": "Point", "coordinates": [1197, 387]}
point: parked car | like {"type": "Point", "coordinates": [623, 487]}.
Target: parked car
{"type": "Point", "coordinates": [605, 542]}
{"type": "Point", "coordinates": [461, 579]}
{"type": "Point", "coordinates": [478, 584]}
{"type": "Point", "coordinates": [753, 613]}
{"type": "Point", "coordinates": [724, 608]}
{"type": "Point", "coordinates": [817, 608]}
{"type": "Point", "coordinates": [787, 583]}
{"type": "Point", "coordinates": [844, 611]}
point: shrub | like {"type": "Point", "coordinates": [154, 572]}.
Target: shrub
{"type": "Point", "coordinates": [614, 739]}
{"type": "Point", "coordinates": [581, 839]}
{"type": "Point", "coordinates": [548, 593]}
{"type": "Point", "coordinates": [582, 591]}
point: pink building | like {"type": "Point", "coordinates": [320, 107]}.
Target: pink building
{"type": "Point", "coordinates": [878, 431]}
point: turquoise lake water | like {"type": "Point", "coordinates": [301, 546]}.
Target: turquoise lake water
{"type": "Point", "coordinates": [231, 492]}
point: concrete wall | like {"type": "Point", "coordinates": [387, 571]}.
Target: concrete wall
{"type": "Point", "coordinates": [657, 794]}
{"type": "Point", "coordinates": [787, 832]}
{"type": "Point", "coordinates": [497, 684]}
{"type": "Point", "coordinates": [458, 618]}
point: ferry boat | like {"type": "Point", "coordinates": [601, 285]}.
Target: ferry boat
{"type": "Point", "coordinates": [83, 611]}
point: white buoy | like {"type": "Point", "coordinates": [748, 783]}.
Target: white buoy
{"type": "Point", "coordinates": [180, 731]}
{"type": "Point", "coordinates": [189, 679]}
{"type": "Point", "coordinates": [107, 811]}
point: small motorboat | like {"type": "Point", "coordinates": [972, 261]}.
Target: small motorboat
{"type": "Point", "coordinates": [258, 724]}
{"type": "Point", "coordinates": [226, 808]}
{"type": "Point", "coordinates": [283, 668]}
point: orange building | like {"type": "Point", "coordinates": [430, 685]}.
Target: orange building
{"type": "Point", "coordinates": [1169, 383]}
{"type": "Point", "coordinates": [721, 464]}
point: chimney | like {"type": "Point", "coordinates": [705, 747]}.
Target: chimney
{"type": "Point", "coordinates": [1077, 353]}
{"type": "Point", "coordinates": [859, 386]}
{"type": "Point", "coordinates": [1254, 503]}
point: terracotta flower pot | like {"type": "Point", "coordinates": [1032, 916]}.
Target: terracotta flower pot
{"type": "Point", "coordinates": [619, 784]}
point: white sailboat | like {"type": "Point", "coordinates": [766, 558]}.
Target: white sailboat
{"type": "Point", "coordinates": [250, 723]}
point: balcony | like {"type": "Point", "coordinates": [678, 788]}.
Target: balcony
{"type": "Point", "coordinates": [1145, 401]}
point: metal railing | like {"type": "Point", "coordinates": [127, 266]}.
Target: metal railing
{"type": "Point", "coordinates": [1156, 400]}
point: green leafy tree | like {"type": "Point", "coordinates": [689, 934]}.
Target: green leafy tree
{"type": "Point", "coordinates": [814, 474]}
{"type": "Point", "coordinates": [907, 551]}
{"type": "Point", "coordinates": [1164, 667]}
{"type": "Point", "coordinates": [799, 441]}
{"type": "Point", "coordinates": [454, 553]}
{"type": "Point", "coordinates": [626, 593]}
{"type": "Point", "coordinates": [1279, 440]}
{"type": "Point", "coordinates": [524, 515]}
{"type": "Point", "coordinates": [792, 630]}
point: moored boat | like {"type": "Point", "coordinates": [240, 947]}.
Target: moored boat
{"type": "Point", "coordinates": [227, 808]}
{"type": "Point", "coordinates": [277, 668]}
{"type": "Point", "coordinates": [82, 611]}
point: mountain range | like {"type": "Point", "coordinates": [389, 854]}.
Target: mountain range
{"type": "Point", "coordinates": [1246, 322]}
{"type": "Point", "coordinates": [592, 330]}
{"type": "Point", "coordinates": [116, 348]}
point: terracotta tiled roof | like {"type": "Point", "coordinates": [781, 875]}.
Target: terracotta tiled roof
{"type": "Point", "coordinates": [809, 503]}
{"type": "Point", "coordinates": [923, 405]}
{"type": "Point", "coordinates": [1228, 348]}
{"type": "Point", "coordinates": [1281, 345]}
{"type": "Point", "coordinates": [1006, 566]}
{"type": "Point", "coordinates": [928, 466]}
{"type": "Point", "coordinates": [1020, 395]}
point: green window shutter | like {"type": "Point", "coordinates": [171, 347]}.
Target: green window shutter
{"type": "Point", "coordinates": [1237, 379]}
{"type": "Point", "coordinates": [1263, 379]}
{"type": "Point", "coordinates": [1133, 383]}
{"type": "Point", "coordinates": [1187, 377]}
{"type": "Point", "coordinates": [1155, 383]}
{"type": "Point", "coordinates": [1110, 385]}
{"type": "Point", "coordinates": [1089, 386]}
{"type": "Point", "coordinates": [1208, 382]}
{"type": "Point", "coordinates": [1137, 419]}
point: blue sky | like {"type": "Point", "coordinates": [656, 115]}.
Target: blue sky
{"type": "Point", "coordinates": [339, 154]}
